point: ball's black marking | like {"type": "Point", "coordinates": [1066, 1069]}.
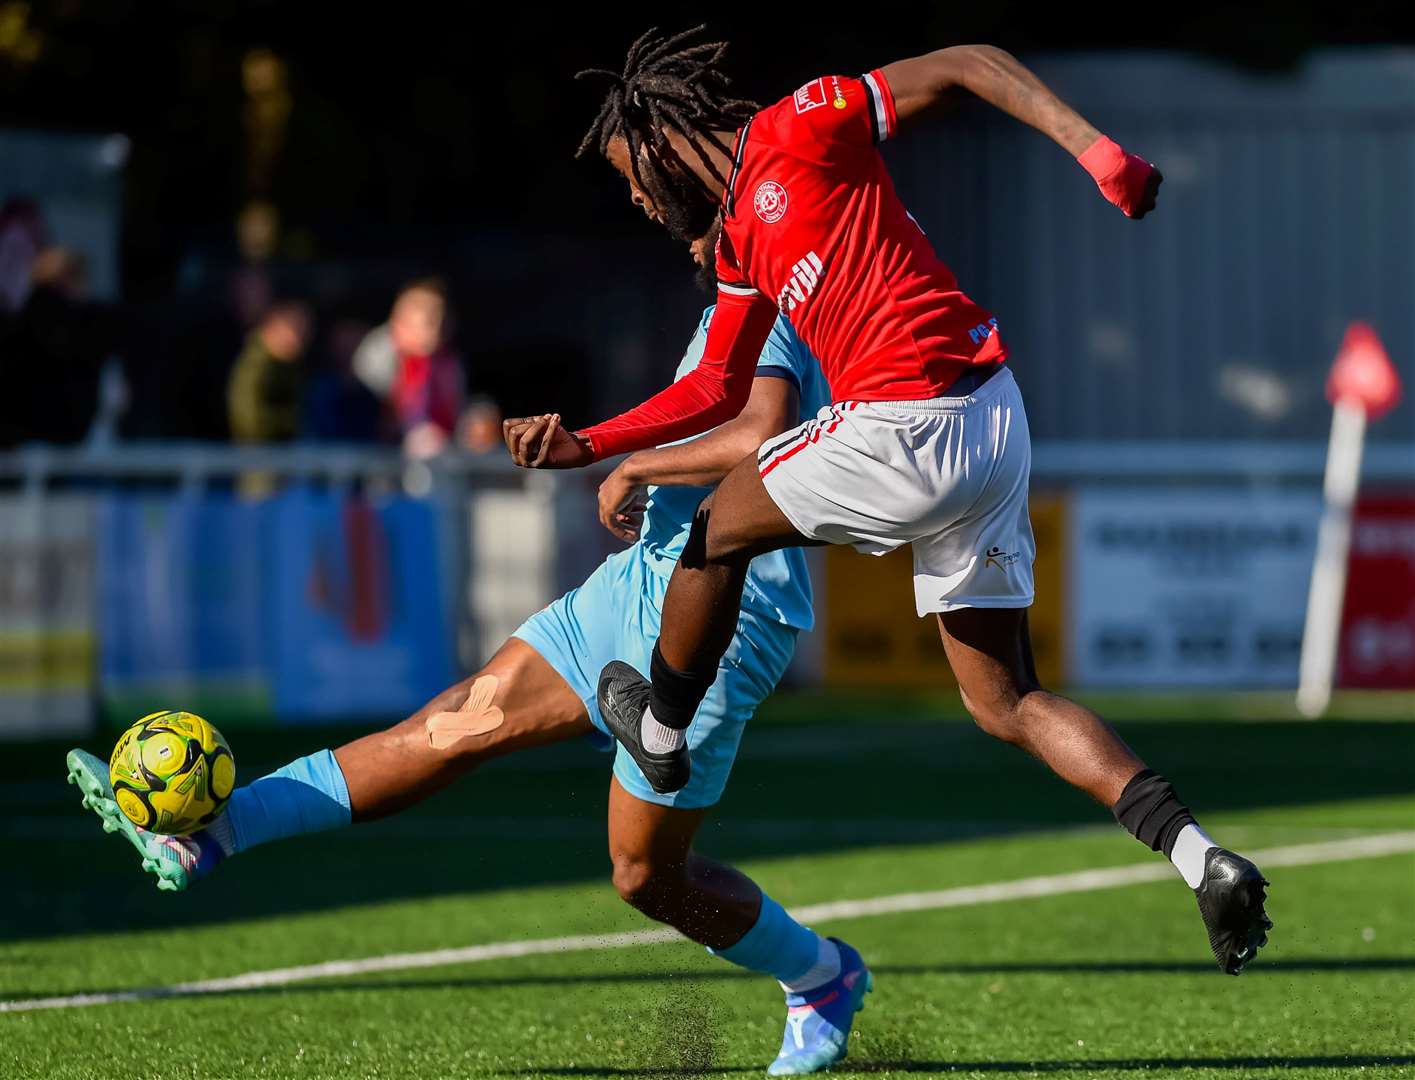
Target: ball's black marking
{"type": "Point", "coordinates": [141, 796]}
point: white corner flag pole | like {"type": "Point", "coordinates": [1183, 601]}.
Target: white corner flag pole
{"type": "Point", "coordinates": [1322, 632]}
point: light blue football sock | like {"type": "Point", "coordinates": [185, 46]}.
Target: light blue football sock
{"type": "Point", "coordinates": [306, 796]}
{"type": "Point", "coordinates": [776, 944]}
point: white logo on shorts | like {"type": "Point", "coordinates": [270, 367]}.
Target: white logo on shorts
{"type": "Point", "coordinates": [770, 201]}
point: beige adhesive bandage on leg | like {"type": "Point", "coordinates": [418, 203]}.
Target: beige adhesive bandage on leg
{"type": "Point", "coordinates": [477, 716]}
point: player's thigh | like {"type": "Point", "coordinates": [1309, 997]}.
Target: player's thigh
{"type": "Point", "coordinates": [389, 770]}
{"type": "Point", "coordinates": [537, 705]}
{"type": "Point", "coordinates": [990, 652]}
{"type": "Point", "coordinates": [740, 518]}
{"type": "Point", "coordinates": [540, 706]}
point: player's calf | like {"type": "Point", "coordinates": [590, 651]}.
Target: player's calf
{"type": "Point", "coordinates": [990, 653]}
{"type": "Point", "coordinates": [657, 871]}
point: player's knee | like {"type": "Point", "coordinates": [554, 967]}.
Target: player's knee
{"type": "Point", "coordinates": [643, 882]}
{"type": "Point", "coordinates": [634, 879]}
{"type": "Point", "coordinates": [694, 554]}
{"type": "Point", "coordinates": [712, 540]}
{"type": "Point", "coordinates": [725, 544]}
{"type": "Point", "coordinates": [996, 714]}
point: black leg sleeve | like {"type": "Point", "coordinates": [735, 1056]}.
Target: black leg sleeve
{"type": "Point", "coordinates": [676, 694]}
{"type": "Point", "coordinates": [1151, 811]}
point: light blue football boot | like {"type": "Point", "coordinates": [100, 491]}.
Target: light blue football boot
{"type": "Point", "coordinates": [818, 1022]}
{"type": "Point", "coordinates": [176, 861]}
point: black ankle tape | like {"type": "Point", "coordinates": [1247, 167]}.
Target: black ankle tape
{"type": "Point", "coordinates": [1151, 811]}
{"type": "Point", "coordinates": [676, 694]}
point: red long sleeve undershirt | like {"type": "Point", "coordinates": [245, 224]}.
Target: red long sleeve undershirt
{"type": "Point", "coordinates": [711, 394]}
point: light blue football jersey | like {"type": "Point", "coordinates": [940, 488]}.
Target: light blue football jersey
{"type": "Point", "coordinates": [778, 585]}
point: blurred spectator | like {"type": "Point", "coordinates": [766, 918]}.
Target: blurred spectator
{"type": "Point", "coordinates": [52, 354]}
{"type": "Point", "coordinates": [258, 233]}
{"type": "Point", "coordinates": [21, 238]}
{"type": "Point", "coordinates": [480, 428]}
{"type": "Point", "coordinates": [338, 406]}
{"type": "Point", "coordinates": [409, 365]}
{"type": "Point", "coordinates": [179, 372]}
{"type": "Point", "coordinates": [264, 396]}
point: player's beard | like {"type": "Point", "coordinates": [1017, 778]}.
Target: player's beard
{"type": "Point", "coordinates": [706, 276]}
{"type": "Point", "coordinates": [687, 211]}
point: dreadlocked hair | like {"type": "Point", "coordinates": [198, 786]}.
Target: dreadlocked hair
{"type": "Point", "coordinates": [668, 82]}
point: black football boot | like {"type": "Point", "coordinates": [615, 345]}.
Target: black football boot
{"type": "Point", "coordinates": [1231, 898]}
{"type": "Point", "coordinates": [623, 700]}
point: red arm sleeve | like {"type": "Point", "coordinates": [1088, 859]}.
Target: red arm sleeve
{"type": "Point", "coordinates": [711, 394]}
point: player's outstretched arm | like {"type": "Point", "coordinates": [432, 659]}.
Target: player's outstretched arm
{"type": "Point", "coordinates": [711, 394]}
{"type": "Point", "coordinates": [772, 408]}
{"type": "Point", "coordinates": [997, 77]}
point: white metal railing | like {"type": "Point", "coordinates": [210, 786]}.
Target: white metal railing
{"type": "Point", "coordinates": [36, 463]}
{"type": "Point", "coordinates": [511, 539]}
{"type": "Point", "coordinates": [1051, 461]}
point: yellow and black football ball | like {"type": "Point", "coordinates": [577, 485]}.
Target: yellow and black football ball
{"type": "Point", "coordinates": [172, 772]}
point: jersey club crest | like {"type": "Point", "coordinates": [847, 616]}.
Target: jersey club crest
{"type": "Point", "coordinates": [770, 201]}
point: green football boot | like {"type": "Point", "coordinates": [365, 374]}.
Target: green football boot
{"type": "Point", "coordinates": [176, 861]}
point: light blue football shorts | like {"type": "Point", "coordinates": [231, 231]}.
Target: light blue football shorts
{"type": "Point", "coordinates": [615, 615]}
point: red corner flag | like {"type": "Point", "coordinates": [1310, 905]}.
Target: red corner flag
{"type": "Point", "coordinates": [1363, 373]}
{"type": "Point", "coordinates": [1363, 386]}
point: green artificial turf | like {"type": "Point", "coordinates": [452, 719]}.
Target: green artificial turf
{"type": "Point", "coordinates": [1104, 984]}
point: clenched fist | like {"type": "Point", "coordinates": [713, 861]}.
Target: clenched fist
{"type": "Point", "coordinates": [539, 442]}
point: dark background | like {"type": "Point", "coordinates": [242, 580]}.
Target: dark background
{"type": "Point", "coordinates": [413, 123]}
{"type": "Point", "coordinates": [417, 138]}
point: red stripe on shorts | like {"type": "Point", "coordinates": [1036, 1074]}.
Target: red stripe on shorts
{"type": "Point", "coordinates": [803, 441]}
{"type": "Point", "coordinates": [810, 436]}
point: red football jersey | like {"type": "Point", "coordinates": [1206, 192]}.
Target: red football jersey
{"type": "Point", "coordinates": [812, 226]}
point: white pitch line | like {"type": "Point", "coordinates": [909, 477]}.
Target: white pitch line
{"type": "Point", "coordinates": [1362, 847]}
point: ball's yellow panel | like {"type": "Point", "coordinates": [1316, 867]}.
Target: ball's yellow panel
{"type": "Point", "coordinates": [164, 754]}
{"type": "Point", "coordinates": [134, 809]}
{"type": "Point", "coordinates": [223, 776]}
{"type": "Point", "coordinates": [176, 772]}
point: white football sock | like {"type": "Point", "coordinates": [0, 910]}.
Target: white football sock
{"type": "Point", "coordinates": [660, 738]}
{"type": "Point", "coordinates": [1190, 847]}
{"type": "Point", "coordinates": [220, 831]}
{"type": "Point", "coordinates": [826, 967]}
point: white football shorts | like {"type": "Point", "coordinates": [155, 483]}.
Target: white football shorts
{"type": "Point", "coordinates": [948, 476]}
